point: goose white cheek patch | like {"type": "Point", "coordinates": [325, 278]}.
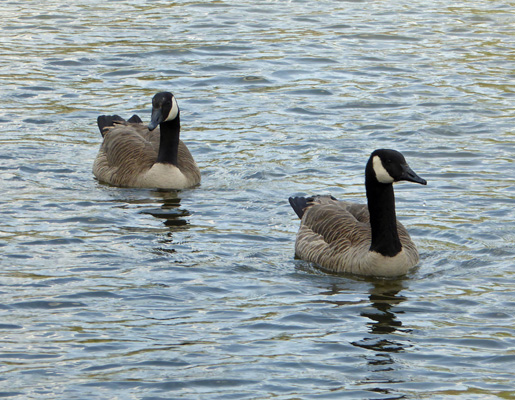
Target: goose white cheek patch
{"type": "Point", "coordinates": [381, 174]}
{"type": "Point", "coordinates": [173, 111]}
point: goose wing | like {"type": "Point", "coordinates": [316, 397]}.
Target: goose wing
{"type": "Point", "coordinates": [330, 228]}
{"type": "Point", "coordinates": [128, 150]}
{"type": "Point", "coordinates": [187, 164]}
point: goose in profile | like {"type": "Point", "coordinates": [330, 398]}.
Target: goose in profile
{"type": "Point", "coordinates": [355, 238]}
{"type": "Point", "coordinates": [139, 156]}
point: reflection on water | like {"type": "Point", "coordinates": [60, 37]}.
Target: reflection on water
{"type": "Point", "coordinates": [384, 338]}
{"type": "Point", "coordinates": [383, 297]}
{"type": "Point", "coordinates": [170, 211]}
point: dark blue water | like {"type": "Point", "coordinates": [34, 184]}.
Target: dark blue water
{"type": "Point", "coordinates": [112, 293]}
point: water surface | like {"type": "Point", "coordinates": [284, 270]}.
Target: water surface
{"type": "Point", "coordinates": [112, 293]}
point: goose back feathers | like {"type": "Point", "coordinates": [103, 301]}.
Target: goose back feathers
{"type": "Point", "coordinates": [134, 155]}
{"type": "Point", "coordinates": [354, 238]}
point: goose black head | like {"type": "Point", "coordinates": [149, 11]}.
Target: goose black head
{"type": "Point", "coordinates": [164, 108]}
{"type": "Point", "coordinates": [390, 166]}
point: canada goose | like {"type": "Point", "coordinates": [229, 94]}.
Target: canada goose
{"type": "Point", "coordinates": [348, 237]}
{"type": "Point", "coordinates": [134, 155]}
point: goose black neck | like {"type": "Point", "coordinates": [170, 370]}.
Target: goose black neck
{"type": "Point", "coordinates": [383, 221]}
{"type": "Point", "coordinates": [169, 142]}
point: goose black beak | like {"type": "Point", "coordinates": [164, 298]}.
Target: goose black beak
{"type": "Point", "coordinates": [155, 119]}
{"type": "Point", "coordinates": [409, 175]}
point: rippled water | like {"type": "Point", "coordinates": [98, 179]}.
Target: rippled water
{"type": "Point", "coordinates": [111, 293]}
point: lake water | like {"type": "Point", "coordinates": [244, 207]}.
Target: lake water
{"type": "Point", "coordinates": [110, 293]}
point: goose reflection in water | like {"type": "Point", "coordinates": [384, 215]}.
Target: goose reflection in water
{"type": "Point", "coordinates": [164, 205]}
{"type": "Point", "coordinates": [173, 216]}
{"type": "Point", "coordinates": [384, 296]}
{"type": "Point", "coordinates": [170, 211]}
{"type": "Point", "coordinates": [381, 342]}
{"type": "Point", "coordinates": [385, 378]}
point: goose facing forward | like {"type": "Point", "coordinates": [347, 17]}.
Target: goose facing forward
{"type": "Point", "coordinates": [355, 238]}
{"type": "Point", "coordinates": [134, 155]}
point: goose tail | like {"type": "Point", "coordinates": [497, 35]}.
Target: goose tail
{"type": "Point", "coordinates": [135, 119]}
{"type": "Point", "coordinates": [107, 121]}
{"type": "Point", "coordinates": [298, 204]}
